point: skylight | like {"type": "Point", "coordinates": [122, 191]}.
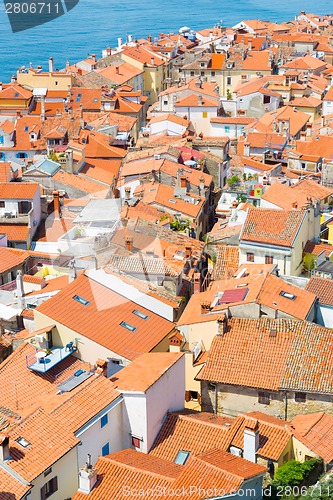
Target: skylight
{"type": "Point", "coordinates": [173, 201]}
{"type": "Point", "coordinates": [96, 99]}
{"type": "Point", "coordinates": [78, 99]}
{"type": "Point", "coordinates": [81, 300]}
{"type": "Point", "coordinates": [287, 295]}
{"type": "Point", "coordinates": [129, 327]}
{"type": "Point", "coordinates": [23, 442]}
{"type": "Point", "coordinates": [140, 314]}
{"type": "Point", "coordinates": [182, 457]}
{"type": "Point", "coordinates": [26, 128]}
{"type": "Point", "coordinates": [16, 94]}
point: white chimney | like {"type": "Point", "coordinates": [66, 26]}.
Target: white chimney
{"type": "Point", "coordinates": [87, 477]}
{"type": "Point", "coordinates": [202, 186]}
{"type": "Point", "coordinates": [69, 161]}
{"type": "Point", "coordinates": [20, 289]}
{"type": "Point", "coordinates": [42, 107]}
{"type": "Point", "coordinates": [120, 43]}
{"type": "Point", "coordinates": [51, 65]}
{"type": "Point", "coordinates": [130, 38]}
{"type": "Point", "coordinates": [200, 101]}
{"type": "Point", "coordinates": [251, 442]}
{"type": "Point", "coordinates": [246, 149]}
{"type": "Point", "coordinates": [0, 86]}
{"type": "Point", "coordinates": [152, 62]}
{"type": "Point", "coordinates": [4, 447]}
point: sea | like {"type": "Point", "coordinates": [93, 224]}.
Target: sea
{"type": "Point", "coordinates": [93, 25]}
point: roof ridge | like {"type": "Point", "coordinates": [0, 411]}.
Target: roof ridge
{"type": "Point", "coordinates": [139, 469]}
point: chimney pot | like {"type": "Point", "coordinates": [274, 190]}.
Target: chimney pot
{"type": "Point", "coordinates": [129, 244]}
{"type": "Point", "coordinates": [222, 324]}
{"type": "Point", "coordinates": [205, 307]}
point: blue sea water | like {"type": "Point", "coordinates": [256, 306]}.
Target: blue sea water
{"type": "Point", "coordinates": [94, 24]}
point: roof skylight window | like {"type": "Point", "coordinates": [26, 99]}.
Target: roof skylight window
{"type": "Point", "coordinates": [81, 300]}
{"type": "Point", "coordinates": [140, 314]}
{"type": "Point", "coordinates": [287, 295]}
{"type": "Point", "coordinates": [129, 327]}
{"type": "Point", "coordinates": [182, 457]}
{"type": "Point", "coordinates": [23, 442]}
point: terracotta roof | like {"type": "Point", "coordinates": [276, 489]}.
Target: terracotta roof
{"type": "Point", "coordinates": [317, 249]}
{"type": "Point", "coordinates": [257, 61]}
{"type": "Point", "coordinates": [5, 172]}
{"type": "Point", "coordinates": [195, 432]}
{"type": "Point", "coordinates": [9, 260]}
{"type": "Point", "coordinates": [13, 488]}
{"type": "Point", "coordinates": [227, 262]}
{"type": "Point", "coordinates": [145, 371]}
{"type": "Point", "coordinates": [106, 310]}
{"type": "Point", "coordinates": [170, 118]}
{"type": "Point", "coordinates": [312, 189]}
{"type": "Point", "coordinates": [80, 183]}
{"type": "Point", "coordinates": [316, 432]}
{"type": "Point", "coordinates": [145, 265]}
{"type": "Point", "coordinates": [299, 357]}
{"type": "Point", "coordinates": [273, 227]}
{"type": "Point", "coordinates": [238, 120]}
{"type": "Point", "coordinates": [120, 73]}
{"type": "Point", "coordinates": [193, 101]}
{"type": "Point", "coordinates": [15, 232]}
{"type": "Point", "coordinates": [274, 434]}
{"type": "Point", "coordinates": [322, 288]}
{"type": "Point", "coordinates": [18, 190]}
{"type": "Point", "coordinates": [305, 63]}
{"type": "Point", "coordinates": [285, 197]}
{"type": "Point", "coordinates": [100, 170]}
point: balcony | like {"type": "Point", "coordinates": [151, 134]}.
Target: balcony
{"type": "Point", "coordinates": [42, 363]}
{"type": "Point", "coordinates": [12, 217]}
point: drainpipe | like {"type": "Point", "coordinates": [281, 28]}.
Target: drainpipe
{"type": "Point", "coordinates": [285, 405]}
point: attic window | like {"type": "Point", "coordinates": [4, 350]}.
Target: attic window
{"type": "Point", "coordinates": [16, 94]}
{"type": "Point", "coordinates": [23, 442]}
{"type": "Point", "coordinates": [182, 457]}
{"type": "Point", "coordinates": [78, 99]}
{"type": "Point", "coordinates": [81, 300]}
{"type": "Point", "coordinates": [140, 314]}
{"type": "Point", "coordinates": [287, 295]}
{"type": "Point", "coordinates": [173, 201]}
{"type": "Point", "coordinates": [26, 129]}
{"type": "Point", "coordinates": [129, 327]}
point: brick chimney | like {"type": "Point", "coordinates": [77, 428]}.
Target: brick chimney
{"type": "Point", "coordinates": [188, 252]}
{"type": "Point", "coordinates": [56, 204]}
{"type": "Point", "coordinates": [196, 283]}
{"type": "Point", "coordinates": [101, 367]}
{"type": "Point", "coordinates": [149, 38]}
{"type": "Point", "coordinates": [117, 70]}
{"type": "Point", "coordinates": [205, 307]}
{"type": "Point", "coordinates": [108, 51]}
{"type": "Point", "coordinates": [129, 243]}
{"type": "Point", "coordinates": [222, 324]}
{"type": "Point", "coordinates": [93, 57]}
{"type": "Point", "coordinates": [183, 181]}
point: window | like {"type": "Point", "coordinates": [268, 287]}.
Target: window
{"type": "Point", "coordinates": [165, 103]}
{"type": "Point", "coordinates": [212, 73]}
{"type": "Point", "coordinates": [140, 314]}
{"type": "Point", "coordinates": [48, 471]}
{"type": "Point", "coordinates": [106, 449]}
{"type": "Point", "coordinates": [229, 80]}
{"type": "Point", "coordinates": [263, 398]}
{"type": "Point", "coordinates": [226, 128]}
{"type": "Point", "coordinates": [268, 259]}
{"type": "Point", "coordinates": [250, 257]}
{"type": "Point", "coordinates": [56, 83]}
{"type": "Point", "coordinates": [23, 442]}
{"type": "Point", "coordinates": [204, 114]}
{"type": "Point", "coordinates": [26, 129]}
{"type": "Point", "coordinates": [2, 204]}
{"type": "Point", "coordinates": [267, 99]}
{"type": "Point", "coordinates": [192, 73]}
{"type": "Point", "coordinates": [104, 420]}
{"type": "Point", "coordinates": [300, 397]}
{"type": "Point", "coordinates": [1, 139]}
{"type": "Point", "coordinates": [202, 65]}
{"type": "Point", "coordinates": [202, 73]}
{"type": "Point", "coordinates": [182, 457]}
{"type": "Point", "coordinates": [136, 442]}
{"type": "Point", "coordinates": [49, 488]}
{"type": "Point", "coordinates": [287, 295]}
{"type": "Point", "coordinates": [129, 327]}
{"type": "Point", "coordinates": [82, 301]}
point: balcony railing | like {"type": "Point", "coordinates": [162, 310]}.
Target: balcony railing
{"type": "Point", "coordinates": [42, 362]}
{"type": "Point", "coordinates": [12, 217]}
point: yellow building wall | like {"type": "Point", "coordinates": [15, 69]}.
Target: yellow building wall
{"type": "Point", "coordinates": [330, 234]}
{"type": "Point", "coordinates": [14, 103]}
{"type": "Point", "coordinates": [51, 81]}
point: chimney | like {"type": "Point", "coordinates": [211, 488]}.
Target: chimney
{"type": "Point", "coordinates": [79, 71]}
{"type": "Point", "coordinates": [72, 272]}
{"type": "Point", "coordinates": [42, 107]}
{"type": "Point", "coordinates": [149, 38]}
{"type": "Point", "coordinates": [308, 129]}
{"type": "Point", "coordinates": [56, 204]}
{"type": "Point", "coordinates": [93, 57]}
{"type": "Point", "coordinates": [4, 447]}
{"type": "Point", "coordinates": [200, 101]}
{"type": "Point", "coordinates": [247, 149]}
{"type": "Point", "coordinates": [294, 204]}
{"type": "Point", "coordinates": [152, 61]}
{"type": "Point", "coordinates": [117, 70]}
{"type": "Point", "coordinates": [222, 324]}
{"type": "Point", "coordinates": [129, 244]}
{"type": "Point", "coordinates": [82, 124]}
{"type": "Point", "coordinates": [120, 43]}
{"type": "Point", "coordinates": [202, 186]}
{"type": "Point", "coordinates": [108, 51]}
{"type": "Point", "coordinates": [196, 283]}
{"type": "Point", "coordinates": [251, 440]}
{"type": "Point", "coordinates": [69, 161]}
{"type": "Point", "coordinates": [87, 477]}
{"type": "Point", "coordinates": [205, 307]}
{"type": "Point", "coordinates": [101, 367]}
{"type": "Point", "coordinates": [67, 63]}
{"type": "Point", "coordinates": [0, 86]}
{"type": "Point", "coordinates": [51, 65]}
{"type": "Point", "coordinates": [249, 45]}
{"type": "Point", "coordinates": [183, 182]}
{"type": "Point", "coordinates": [303, 136]}
{"type": "Point", "coordinates": [18, 114]}
{"type": "Point", "coordinates": [127, 193]}
{"type": "Point", "coordinates": [20, 289]}
{"type": "Point", "coordinates": [188, 252]}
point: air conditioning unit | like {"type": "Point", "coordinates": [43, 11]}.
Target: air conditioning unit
{"type": "Point", "coordinates": [40, 339]}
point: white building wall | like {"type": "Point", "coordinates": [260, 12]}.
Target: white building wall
{"type": "Point", "coordinates": [325, 315]}
{"type": "Point", "coordinates": [327, 108]}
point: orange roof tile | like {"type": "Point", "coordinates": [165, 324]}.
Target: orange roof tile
{"type": "Point", "coordinates": [15, 232]}
{"type": "Point", "coordinates": [316, 432]}
{"type": "Point", "coordinates": [298, 356]}
{"type": "Point", "coordinates": [106, 309]}
{"type": "Point", "coordinates": [9, 260]}
{"type": "Point", "coordinates": [322, 288]}
{"type": "Point", "coordinates": [85, 185]}
{"type": "Point", "coordinates": [273, 227]}
{"type": "Point", "coordinates": [145, 370]}
{"type": "Point", "coordinates": [18, 190]}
